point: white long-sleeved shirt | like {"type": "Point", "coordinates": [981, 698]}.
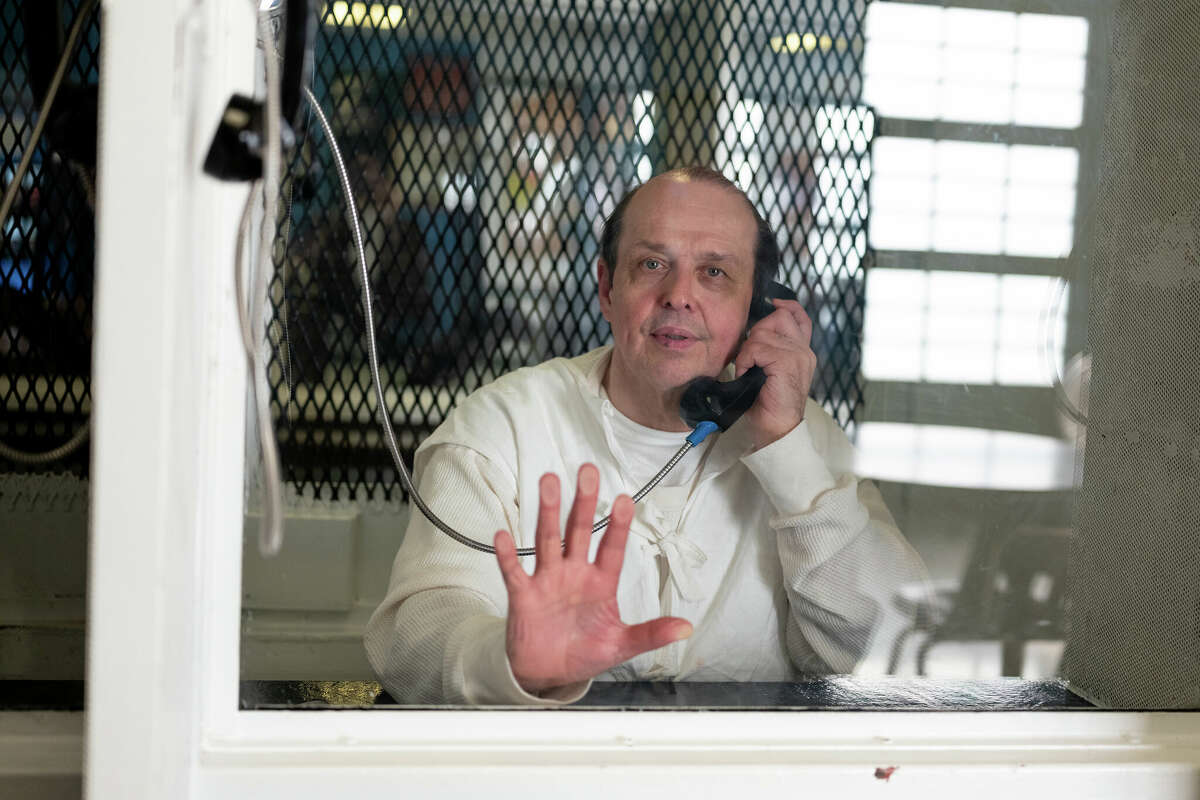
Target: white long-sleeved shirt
{"type": "Point", "coordinates": [780, 558]}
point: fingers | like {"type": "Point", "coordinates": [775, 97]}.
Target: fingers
{"type": "Point", "coordinates": [769, 352]}
{"type": "Point", "coordinates": [783, 335]}
{"type": "Point", "coordinates": [510, 566]}
{"type": "Point", "coordinates": [790, 368]}
{"type": "Point", "coordinates": [547, 544]}
{"type": "Point", "coordinates": [778, 339]}
{"type": "Point", "coordinates": [788, 320]}
{"type": "Point", "coordinates": [611, 553]}
{"type": "Point", "coordinates": [783, 322]}
{"type": "Point", "coordinates": [654, 634]}
{"type": "Point", "coordinates": [583, 511]}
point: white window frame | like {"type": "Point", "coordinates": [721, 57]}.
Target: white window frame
{"type": "Point", "coordinates": [166, 529]}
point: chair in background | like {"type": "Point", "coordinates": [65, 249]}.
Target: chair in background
{"type": "Point", "coordinates": [1011, 592]}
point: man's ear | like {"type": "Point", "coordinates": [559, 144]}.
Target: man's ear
{"type": "Point", "coordinates": [604, 284]}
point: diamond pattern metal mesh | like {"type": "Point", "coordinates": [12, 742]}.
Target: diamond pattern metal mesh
{"type": "Point", "coordinates": [46, 257]}
{"type": "Point", "coordinates": [489, 141]}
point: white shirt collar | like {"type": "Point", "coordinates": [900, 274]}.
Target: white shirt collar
{"type": "Point", "coordinates": [730, 446]}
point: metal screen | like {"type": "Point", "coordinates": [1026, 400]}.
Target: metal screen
{"type": "Point", "coordinates": [1133, 606]}
{"type": "Point", "coordinates": [46, 255]}
{"type": "Point", "coordinates": [489, 140]}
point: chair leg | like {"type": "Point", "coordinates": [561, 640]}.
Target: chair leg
{"type": "Point", "coordinates": [1012, 656]}
{"type": "Point", "coordinates": [923, 652]}
{"type": "Point", "coordinates": [897, 648]}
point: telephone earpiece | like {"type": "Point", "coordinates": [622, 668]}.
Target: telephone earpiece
{"type": "Point", "coordinates": [723, 402]}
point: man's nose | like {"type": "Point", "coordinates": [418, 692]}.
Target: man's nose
{"type": "Point", "coordinates": [678, 291]}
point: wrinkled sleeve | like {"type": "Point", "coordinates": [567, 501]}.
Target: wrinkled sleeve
{"type": "Point", "coordinates": [439, 635]}
{"type": "Point", "coordinates": [841, 554]}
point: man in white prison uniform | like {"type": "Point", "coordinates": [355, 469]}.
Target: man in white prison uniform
{"type": "Point", "coordinates": [760, 558]}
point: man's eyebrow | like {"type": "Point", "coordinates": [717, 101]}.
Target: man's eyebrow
{"type": "Point", "coordinates": [659, 247]}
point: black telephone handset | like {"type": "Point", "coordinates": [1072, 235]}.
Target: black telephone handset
{"type": "Point", "coordinates": [723, 402]}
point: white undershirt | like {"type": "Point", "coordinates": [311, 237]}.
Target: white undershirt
{"type": "Point", "coordinates": [644, 451]}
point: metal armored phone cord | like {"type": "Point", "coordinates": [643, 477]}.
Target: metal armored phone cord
{"type": "Point", "coordinates": [693, 439]}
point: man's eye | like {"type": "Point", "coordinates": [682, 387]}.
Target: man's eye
{"type": "Point", "coordinates": [652, 264]}
{"type": "Point", "coordinates": [714, 272]}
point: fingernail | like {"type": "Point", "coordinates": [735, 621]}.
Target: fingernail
{"type": "Point", "coordinates": [548, 486]}
{"type": "Point", "coordinates": [623, 506]}
{"type": "Point", "coordinates": [589, 478]}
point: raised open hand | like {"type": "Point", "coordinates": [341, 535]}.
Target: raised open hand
{"type": "Point", "coordinates": [563, 623]}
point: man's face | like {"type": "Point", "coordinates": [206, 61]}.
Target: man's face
{"type": "Point", "coordinates": [680, 290]}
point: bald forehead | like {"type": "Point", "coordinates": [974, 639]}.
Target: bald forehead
{"type": "Point", "coordinates": [680, 184]}
{"type": "Point", "coordinates": [713, 217]}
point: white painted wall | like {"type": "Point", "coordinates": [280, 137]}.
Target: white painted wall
{"type": "Point", "coordinates": [303, 611]}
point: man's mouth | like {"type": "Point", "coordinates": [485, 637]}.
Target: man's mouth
{"type": "Point", "coordinates": [673, 338]}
